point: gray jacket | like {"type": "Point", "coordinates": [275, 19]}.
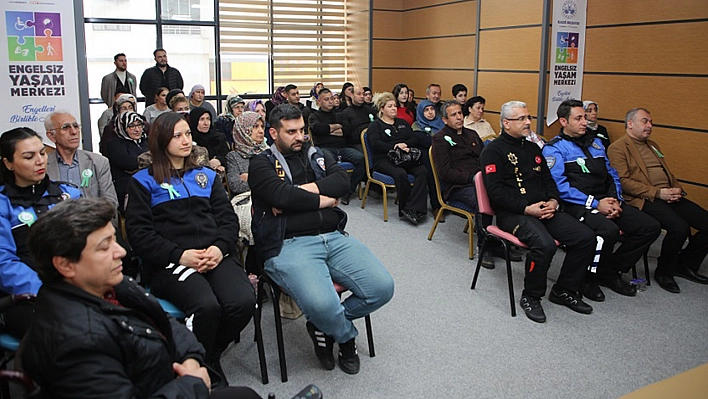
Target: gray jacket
{"type": "Point", "coordinates": [108, 86]}
{"type": "Point", "coordinates": [101, 181]}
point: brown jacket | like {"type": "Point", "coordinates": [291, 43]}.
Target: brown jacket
{"type": "Point", "coordinates": [636, 187]}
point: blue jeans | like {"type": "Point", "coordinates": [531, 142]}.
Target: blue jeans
{"type": "Point", "coordinates": [306, 267]}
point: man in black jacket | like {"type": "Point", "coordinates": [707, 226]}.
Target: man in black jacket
{"type": "Point", "coordinates": [300, 237]}
{"type": "Point", "coordinates": [526, 201]}
{"type": "Point", "coordinates": [161, 75]}
{"type": "Point", "coordinates": [330, 134]}
{"type": "Point", "coordinates": [97, 334]}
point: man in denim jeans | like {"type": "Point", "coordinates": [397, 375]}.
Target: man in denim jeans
{"type": "Point", "coordinates": [300, 237]}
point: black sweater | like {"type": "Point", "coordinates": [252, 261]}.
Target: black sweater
{"type": "Point", "coordinates": [319, 127]}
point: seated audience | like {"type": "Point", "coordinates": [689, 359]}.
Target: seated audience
{"type": "Point", "coordinates": [300, 237]}
{"type": "Point", "coordinates": [594, 128]}
{"type": "Point", "coordinates": [180, 105]}
{"type": "Point", "coordinates": [459, 93]}
{"type": "Point", "coordinates": [276, 99]}
{"type": "Point", "coordinates": [426, 119]}
{"type": "Point", "coordinates": [404, 109]}
{"type": "Point", "coordinates": [648, 184]}
{"type": "Point", "coordinates": [224, 123]}
{"type": "Point", "coordinates": [314, 92]}
{"type": "Point", "coordinates": [433, 93]}
{"type": "Point", "coordinates": [107, 115]}
{"type": "Point", "coordinates": [97, 333]}
{"type": "Point", "coordinates": [205, 135]}
{"type": "Point", "coordinates": [196, 99]}
{"type": "Point", "coordinates": [357, 117]}
{"type": "Point", "coordinates": [411, 97]}
{"type": "Point", "coordinates": [293, 96]}
{"type": "Point", "coordinates": [526, 202]}
{"type": "Point", "coordinates": [180, 222]}
{"type": "Point", "coordinates": [124, 103]}
{"type": "Point", "coordinates": [475, 119]}
{"type": "Point", "coordinates": [160, 106]}
{"type": "Point", "coordinates": [389, 133]}
{"type": "Point", "coordinates": [26, 192]}
{"type": "Point", "coordinates": [590, 191]}
{"type": "Point", "coordinates": [368, 96]}
{"type": "Point", "coordinates": [336, 102]}
{"type": "Point", "coordinates": [346, 95]}
{"type": "Point", "coordinates": [123, 151]}
{"type": "Point", "coordinates": [330, 134]}
{"type": "Point", "coordinates": [174, 93]}
{"type": "Point", "coordinates": [258, 107]}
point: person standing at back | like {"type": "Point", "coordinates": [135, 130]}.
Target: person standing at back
{"type": "Point", "coordinates": [160, 75]}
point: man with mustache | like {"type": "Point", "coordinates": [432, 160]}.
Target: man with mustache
{"type": "Point", "coordinates": [648, 184]}
{"type": "Point", "coordinates": [300, 238]}
{"type": "Point", "coordinates": [591, 192]}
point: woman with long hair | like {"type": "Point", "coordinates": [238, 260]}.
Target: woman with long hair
{"type": "Point", "coordinates": [25, 194]}
{"type": "Point", "coordinates": [345, 96]}
{"type": "Point", "coordinates": [388, 133]}
{"type": "Point", "coordinates": [180, 222]}
{"type": "Point", "coordinates": [405, 110]}
{"type": "Point", "coordinates": [160, 106]}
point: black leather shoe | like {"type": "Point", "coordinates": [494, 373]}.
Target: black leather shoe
{"type": "Point", "coordinates": [616, 284]}
{"type": "Point", "coordinates": [324, 344]}
{"type": "Point", "coordinates": [532, 308]}
{"type": "Point", "coordinates": [499, 252]}
{"type": "Point", "coordinates": [570, 300]}
{"type": "Point", "coordinates": [487, 261]}
{"type": "Point", "coordinates": [345, 199]}
{"type": "Point", "coordinates": [410, 215]}
{"type": "Point", "coordinates": [690, 275]}
{"type": "Point", "coordinates": [592, 291]}
{"type": "Point", "coordinates": [667, 282]}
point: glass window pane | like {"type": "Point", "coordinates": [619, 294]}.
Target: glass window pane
{"type": "Point", "coordinates": [191, 50]}
{"type": "Point", "coordinates": [134, 9]}
{"type": "Point", "coordinates": [244, 73]}
{"type": "Point", "coordinates": [188, 10]}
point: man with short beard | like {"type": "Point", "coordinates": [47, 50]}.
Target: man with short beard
{"type": "Point", "coordinates": [160, 75]}
{"type": "Point", "coordinates": [118, 79]}
{"type": "Point", "coordinates": [357, 117]}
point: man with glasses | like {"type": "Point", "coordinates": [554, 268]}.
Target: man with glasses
{"type": "Point", "coordinates": [89, 171]}
{"type": "Point", "coordinates": [526, 201]}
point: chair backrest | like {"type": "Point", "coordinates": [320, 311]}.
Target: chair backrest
{"type": "Point", "coordinates": [438, 185]}
{"type": "Point", "coordinates": [482, 198]}
{"type": "Point", "coordinates": [366, 147]}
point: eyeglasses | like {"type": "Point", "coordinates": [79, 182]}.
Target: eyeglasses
{"type": "Point", "coordinates": [522, 118]}
{"type": "Point", "coordinates": [134, 125]}
{"type": "Point", "coordinates": [67, 127]}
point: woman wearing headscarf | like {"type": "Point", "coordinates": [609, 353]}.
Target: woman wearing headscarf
{"type": "Point", "coordinates": [205, 135]}
{"type": "Point", "coordinates": [427, 123]}
{"type": "Point", "coordinates": [196, 99]}
{"type": "Point", "coordinates": [124, 103]}
{"type": "Point", "coordinates": [123, 151]}
{"type": "Point", "coordinates": [314, 93]}
{"type": "Point", "coordinates": [426, 119]}
{"type": "Point", "coordinates": [277, 99]}
{"type": "Point", "coordinates": [224, 123]}
{"type": "Point", "coordinates": [597, 130]}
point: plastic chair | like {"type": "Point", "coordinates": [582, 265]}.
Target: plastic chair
{"type": "Point", "coordinates": [384, 181]}
{"type": "Point", "coordinates": [275, 292]}
{"type": "Point", "coordinates": [459, 208]}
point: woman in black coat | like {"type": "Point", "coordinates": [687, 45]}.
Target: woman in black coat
{"type": "Point", "coordinates": [205, 135]}
{"type": "Point", "coordinates": [122, 151]}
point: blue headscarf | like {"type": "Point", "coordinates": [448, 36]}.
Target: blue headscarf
{"type": "Point", "coordinates": [435, 125]}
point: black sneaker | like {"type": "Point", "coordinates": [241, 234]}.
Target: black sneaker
{"type": "Point", "coordinates": [345, 199]}
{"type": "Point", "coordinates": [410, 215]}
{"type": "Point", "coordinates": [569, 299]}
{"type": "Point", "coordinates": [533, 309]}
{"type": "Point", "coordinates": [324, 344]}
{"type": "Point", "coordinates": [348, 357]}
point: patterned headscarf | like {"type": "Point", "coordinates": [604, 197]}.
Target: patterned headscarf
{"type": "Point", "coordinates": [591, 124]}
{"type": "Point", "coordinates": [243, 143]}
{"type": "Point", "coordinates": [231, 100]}
{"type": "Point", "coordinates": [313, 90]}
{"type": "Point", "coordinates": [128, 118]}
{"type": "Point", "coordinates": [278, 97]}
{"type": "Point", "coordinates": [251, 106]}
{"type": "Point", "coordinates": [123, 98]}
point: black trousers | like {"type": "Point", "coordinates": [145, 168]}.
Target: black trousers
{"type": "Point", "coordinates": [409, 198]}
{"type": "Point", "coordinates": [221, 301]}
{"type": "Point", "coordinates": [639, 232]}
{"type": "Point", "coordinates": [677, 218]}
{"type": "Point", "coordinates": [539, 235]}
{"type": "Point", "coordinates": [468, 196]}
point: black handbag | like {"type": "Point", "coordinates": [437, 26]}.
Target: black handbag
{"type": "Point", "coordinates": [403, 159]}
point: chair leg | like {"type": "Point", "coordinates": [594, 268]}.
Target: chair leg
{"type": "Point", "coordinates": [366, 194]}
{"type": "Point", "coordinates": [259, 332]}
{"type": "Point", "coordinates": [370, 336]}
{"type": "Point", "coordinates": [470, 223]}
{"type": "Point", "coordinates": [435, 223]}
{"type": "Point", "coordinates": [646, 267]}
{"type": "Point", "coordinates": [479, 262]}
{"type": "Point", "coordinates": [511, 280]}
{"type": "Point", "coordinates": [279, 333]}
{"type": "Point", "coordinates": [385, 202]}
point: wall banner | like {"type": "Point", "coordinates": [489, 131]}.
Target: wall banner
{"type": "Point", "coordinates": [567, 54]}
{"type": "Point", "coordinates": [39, 72]}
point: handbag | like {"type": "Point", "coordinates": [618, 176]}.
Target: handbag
{"type": "Point", "coordinates": [403, 159]}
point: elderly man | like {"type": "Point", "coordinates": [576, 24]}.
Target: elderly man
{"type": "Point", "coordinates": [648, 184]}
{"type": "Point", "coordinates": [105, 336]}
{"type": "Point", "coordinates": [329, 133]}
{"type": "Point", "coordinates": [433, 93]}
{"type": "Point", "coordinates": [591, 192]}
{"type": "Point", "coordinates": [525, 200]}
{"type": "Point", "coordinates": [118, 79]}
{"type": "Point", "coordinates": [160, 75]}
{"type": "Point", "coordinates": [89, 171]}
{"type": "Point", "coordinates": [300, 237]}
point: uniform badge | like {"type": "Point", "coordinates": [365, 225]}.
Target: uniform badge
{"type": "Point", "coordinates": [550, 161]}
{"type": "Point", "coordinates": [201, 179]}
{"type": "Point", "coordinates": [65, 196]}
{"type": "Point", "coordinates": [321, 162]}
{"type": "Point", "coordinates": [596, 146]}
{"type": "Point", "coordinates": [538, 160]}
{"type": "Point", "coordinates": [512, 158]}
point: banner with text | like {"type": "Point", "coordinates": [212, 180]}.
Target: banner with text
{"type": "Point", "coordinates": [40, 73]}
{"type": "Point", "coordinates": [567, 54]}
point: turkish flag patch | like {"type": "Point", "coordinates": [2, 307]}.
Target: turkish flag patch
{"type": "Point", "coordinates": [538, 160]}
{"type": "Point", "coordinates": [490, 169]}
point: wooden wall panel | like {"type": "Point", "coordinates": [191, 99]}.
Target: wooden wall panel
{"type": "Point", "coordinates": [385, 79]}
{"type": "Point", "coordinates": [670, 48]}
{"type": "Point", "coordinates": [450, 52]}
{"type": "Point", "coordinates": [608, 12]}
{"type": "Point", "coordinates": [388, 4]}
{"type": "Point", "coordinates": [697, 194]}
{"type": "Point", "coordinates": [510, 49]}
{"type": "Point", "coordinates": [449, 19]}
{"type": "Point", "coordinates": [412, 4]}
{"type": "Point", "coordinates": [665, 97]}
{"type": "Point", "coordinates": [388, 25]}
{"type": "Point", "coordinates": [500, 13]}
{"type": "Point", "coordinates": [500, 87]}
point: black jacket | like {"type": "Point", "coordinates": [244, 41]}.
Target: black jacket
{"type": "Point", "coordinates": [383, 137]}
{"type": "Point", "coordinates": [153, 78]}
{"type": "Point", "coordinates": [123, 157]}
{"type": "Point", "coordinates": [319, 128]}
{"type": "Point", "coordinates": [82, 346]}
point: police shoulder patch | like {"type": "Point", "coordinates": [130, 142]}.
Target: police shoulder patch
{"type": "Point", "coordinates": [550, 161]}
{"type": "Point", "coordinates": [321, 162]}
